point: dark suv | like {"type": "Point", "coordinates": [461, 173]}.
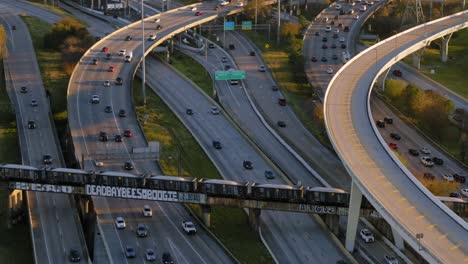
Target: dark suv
{"type": "Point", "coordinates": [167, 258]}
{"type": "Point", "coordinates": [459, 178]}
{"type": "Point", "coordinates": [247, 164]}
{"type": "Point", "coordinates": [74, 255]}
{"type": "Point", "coordinates": [217, 144]}
{"type": "Point", "coordinates": [128, 165]}
{"type": "Point", "coordinates": [103, 136]}
{"type": "Point", "coordinates": [32, 124]}
{"type": "Point", "coordinates": [380, 123]}
{"type": "Point", "coordinates": [47, 159]}
{"type": "Point", "coordinates": [118, 81]}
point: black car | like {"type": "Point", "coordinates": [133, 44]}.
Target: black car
{"type": "Point", "coordinates": [324, 59]}
{"type": "Point", "coordinates": [269, 175]}
{"type": "Point", "coordinates": [33, 102]}
{"type": "Point", "coordinates": [122, 113]}
{"type": "Point", "coordinates": [167, 258]}
{"type": "Point", "coordinates": [103, 136]}
{"type": "Point", "coordinates": [211, 46]}
{"type": "Point", "coordinates": [128, 38]}
{"type": "Point", "coordinates": [108, 109]}
{"type": "Point", "coordinates": [388, 120]}
{"type": "Point", "coordinates": [324, 46]}
{"type": "Point", "coordinates": [128, 165]}
{"type": "Point", "coordinates": [455, 195]}
{"type": "Point", "coordinates": [346, 29]}
{"type": "Point", "coordinates": [94, 62]}
{"type": "Point", "coordinates": [459, 178]}
{"type": "Point", "coordinates": [380, 123]}
{"type": "Point", "coordinates": [232, 47]}
{"type": "Point", "coordinates": [332, 22]}
{"type": "Point", "coordinates": [74, 255]}
{"type": "Point", "coordinates": [108, 56]}
{"type": "Point", "coordinates": [324, 39]}
{"type": "Point", "coordinates": [252, 53]}
{"type": "Point", "coordinates": [158, 27]}
{"type": "Point", "coordinates": [217, 144]}
{"type": "Point", "coordinates": [342, 12]}
{"type": "Point", "coordinates": [333, 46]}
{"type": "Point", "coordinates": [274, 88]}
{"type": "Point", "coordinates": [343, 46]}
{"type": "Point", "coordinates": [281, 124]}
{"type": "Point", "coordinates": [118, 81]}
{"type": "Point", "coordinates": [47, 159]}
{"type": "Point", "coordinates": [395, 136]}
{"type": "Point", "coordinates": [247, 164]}
{"type": "Point", "coordinates": [227, 67]}
{"type": "Point", "coordinates": [24, 89]}
{"type": "Point", "coordinates": [334, 57]}
{"type": "Point", "coordinates": [189, 111]}
{"type": "Point", "coordinates": [317, 33]}
{"type": "Point", "coordinates": [32, 124]}
{"type": "Point", "coordinates": [340, 25]}
{"type": "Point", "coordinates": [413, 152]}
{"type": "Point", "coordinates": [118, 138]}
{"type": "Point", "coordinates": [438, 161]}
{"type": "Point", "coordinates": [13, 27]}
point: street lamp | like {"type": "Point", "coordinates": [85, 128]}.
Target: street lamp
{"type": "Point", "coordinates": [419, 236]}
{"type": "Point", "coordinates": [143, 83]}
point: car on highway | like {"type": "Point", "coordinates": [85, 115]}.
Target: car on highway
{"type": "Point", "coordinates": [128, 133]}
{"type": "Point", "coordinates": [346, 29]}
{"type": "Point", "coordinates": [425, 150]}
{"type": "Point", "coordinates": [111, 69]}
{"type": "Point", "coordinates": [105, 49]}
{"type": "Point", "coordinates": [274, 88]}
{"type": "Point", "coordinates": [338, 7]}
{"type": "Point", "coordinates": [47, 159]}
{"type": "Point", "coordinates": [335, 57]}
{"type": "Point", "coordinates": [388, 120]}
{"type": "Point", "coordinates": [397, 73]}
{"type": "Point", "coordinates": [335, 35]}
{"type": "Point", "coordinates": [390, 260]}
{"type": "Point", "coordinates": [119, 81]}
{"type": "Point", "coordinates": [438, 161]}
{"type": "Point", "coordinates": [24, 89]}
{"type": "Point", "coordinates": [150, 255]}
{"type": "Point", "coordinates": [448, 177]}
{"type": "Point", "coordinates": [223, 2]}
{"type": "Point", "coordinates": [95, 99]}
{"type": "Point", "coordinates": [157, 20]}
{"type": "Point", "coordinates": [325, 19]}
{"type": "Point", "coordinates": [324, 59]}
{"type": "Point", "coordinates": [147, 211]}
{"type": "Point", "coordinates": [224, 60]}
{"type": "Point", "coordinates": [459, 178]}
{"type": "Point", "coordinates": [130, 252]}
{"type": "Point", "coordinates": [227, 67]}
{"type": "Point", "coordinates": [395, 136]}
{"type": "Point", "coordinates": [189, 227]}
{"type": "Point", "coordinates": [261, 68]}
{"type": "Point", "coordinates": [363, 8]}
{"type": "Point", "coordinates": [128, 38]}
{"type": "Point", "coordinates": [380, 123]}
{"type": "Point", "coordinates": [413, 152]}
{"type": "Point", "coordinates": [122, 113]}
{"type": "Point", "coordinates": [464, 192]}
{"type": "Point", "coordinates": [108, 109]}
{"type": "Point", "coordinates": [128, 165]}
{"type": "Point", "coordinates": [269, 175]}
{"type": "Point", "coordinates": [427, 161]}
{"type": "Point", "coordinates": [32, 124]}
{"type": "Point", "coordinates": [214, 110]}
{"type": "Point", "coordinates": [198, 13]}
{"type": "Point", "coordinates": [340, 25]}
{"type": "Point", "coordinates": [313, 59]}
{"type": "Point", "coordinates": [333, 46]}
{"type": "Point", "coordinates": [336, 31]}
{"type": "Point", "coordinates": [103, 136]}
{"type": "Point", "coordinates": [328, 28]}
{"type": "Point", "coordinates": [324, 39]}
{"type": "Point", "coordinates": [232, 47]}
{"type": "Point", "coordinates": [233, 82]}
{"type": "Point", "coordinates": [142, 230]}
{"type": "Point", "coordinates": [281, 124]}
{"type": "Point", "coordinates": [342, 39]}
{"type": "Point", "coordinates": [324, 46]}
{"type": "Point", "coordinates": [120, 222]}
{"type": "Point", "coordinates": [33, 102]}
{"type": "Point", "coordinates": [13, 27]}
{"type": "Point", "coordinates": [216, 144]}
{"type": "Point", "coordinates": [94, 62]}
{"type": "Point", "coordinates": [247, 164]}
{"type": "Point", "coordinates": [98, 163]}
{"type": "Point", "coordinates": [252, 53]}
{"type": "Point", "coordinates": [118, 138]}
{"type": "Point", "coordinates": [74, 255]}
{"type": "Point", "coordinates": [356, 17]}
{"type": "Point", "coordinates": [329, 70]}
{"type": "Point", "coordinates": [109, 56]}
{"type": "Point", "coordinates": [152, 37]}
{"type": "Point", "coordinates": [107, 83]}
{"type": "Point", "coordinates": [367, 235]}
{"type": "Point", "coordinates": [158, 27]}
{"type": "Point", "coordinates": [239, 4]}
{"type": "Point", "coordinates": [429, 176]}
{"type": "Point", "coordinates": [282, 101]}
{"type": "Point", "coordinates": [343, 46]}
{"type": "Point", "coordinates": [189, 111]}
{"type": "Point", "coordinates": [393, 146]}
{"type": "Point", "coordinates": [122, 52]}
{"type": "Point", "coordinates": [167, 258]}
{"type": "Point", "coordinates": [317, 33]}
{"type": "Point", "coordinates": [211, 46]}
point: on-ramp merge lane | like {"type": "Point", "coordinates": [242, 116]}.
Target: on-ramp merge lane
{"type": "Point", "coordinates": [389, 187]}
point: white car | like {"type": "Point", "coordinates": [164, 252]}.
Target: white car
{"type": "Point", "coordinates": [448, 177]}
{"type": "Point", "coordinates": [261, 68]}
{"type": "Point", "coordinates": [425, 151]}
{"type": "Point", "coordinates": [329, 70]}
{"type": "Point", "coordinates": [464, 192]}
{"type": "Point", "coordinates": [391, 260]}
{"type": "Point", "coordinates": [338, 7]}
{"type": "Point", "coordinates": [194, 8]}
{"type": "Point", "coordinates": [336, 31]}
{"type": "Point", "coordinates": [107, 83]}
{"type": "Point", "coordinates": [150, 255]}
{"type": "Point", "coordinates": [356, 17]}
{"type": "Point", "coordinates": [120, 222]}
{"type": "Point", "coordinates": [122, 52]}
{"type": "Point", "coordinates": [352, 4]}
{"type": "Point", "coordinates": [214, 110]}
{"type": "Point", "coordinates": [157, 20]}
{"type": "Point", "coordinates": [152, 37]}
{"type": "Point", "coordinates": [222, 2]}
{"type": "Point", "coordinates": [367, 235]}
{"type": "Point", "coordinates": [98, 163]}
{"type": "Point", "coordinates": [239, 4]}
{"type": "Point", "coordinates": [427, 161]}
{"type": "Point", "coordinates": [342, 39]}
{"type": "Point", "coordinates": [328, 28]}
{"type": "Point", "coordinates": [363, 8]}
{"type": "Point", "coordinates": [147, 210]}
{"type": "Point", "coordinates": [189, 227]}
{"type": "Point", "coordinates": [95, 99]}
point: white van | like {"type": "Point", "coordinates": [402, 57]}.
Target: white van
{"type": "Point", "coordinates": [129, 56]}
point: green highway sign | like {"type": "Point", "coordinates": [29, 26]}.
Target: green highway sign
{"type": "Point", "coordinates": [229, 25]}
{"type": "Point", "coordinates": [229, 75]}
{"type": "Point", "coordinates": [246, 25]}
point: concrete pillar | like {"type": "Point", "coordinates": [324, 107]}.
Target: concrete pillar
{"type": "Point", "coordinates": [417, 58]}
{"type": "Point", "coordinates": [333, 223]}
{"type": "Point", "coordinates": [383, 78]}
{"type": "Point", "coordinates": [353, 216]}
{"type": "Point", "coordinates": [444, 47]}
{"type": "Point", "coordinates": [398, 240]}
{"type": "Point", "coordinates": [86, 206]}
{"type": "Point", "coordinates": [254, 218]}
{"type": "Point", "coordinates": [206, 214]}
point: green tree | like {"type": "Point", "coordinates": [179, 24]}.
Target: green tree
{"type": "Point", "coordinates": [263, 11]}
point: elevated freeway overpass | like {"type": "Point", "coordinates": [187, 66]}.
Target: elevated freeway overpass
{"type": "Point", "coordinates": [416, 215]}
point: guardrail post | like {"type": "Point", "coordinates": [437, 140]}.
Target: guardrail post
{"type": "Point", "coordinates": [353, 216]}
{"type": "Point", "coordinates": [206, 214]}
{"type": "Point", "coordinates": [254, 218]}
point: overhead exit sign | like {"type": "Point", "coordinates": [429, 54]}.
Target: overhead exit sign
{"type": "Point", "coordinates": [229, 75]}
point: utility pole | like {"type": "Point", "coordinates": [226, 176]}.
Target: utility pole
{"type": "Point", "coordinates": [143, 82]}
{"type": "Point", "coordinates": [279, 22]}
{"type": "Point", "coordinates": [256, 10]}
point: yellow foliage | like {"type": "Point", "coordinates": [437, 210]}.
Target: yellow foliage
{"type": "Point", "coordinates": [440, 187]}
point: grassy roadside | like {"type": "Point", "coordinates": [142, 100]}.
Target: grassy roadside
{"type": "Point", "coordinates": [230, 225]}
{"type": "Point", "coordinates": [15, 243]}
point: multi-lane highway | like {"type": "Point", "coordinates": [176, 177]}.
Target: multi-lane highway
{"type": "Point", "coordinates": [400, 199]}
{"type": "Point", "coordinates": [55, 226]}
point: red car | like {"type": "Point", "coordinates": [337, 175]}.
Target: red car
{"type": "Point", "coordinates": [198, 13]}
{"type": "Point", "coordinates": [128, 133]}
{"type": "Point", "coordinates": [111, 69]}
{"type": "Point", "coordinates": [393, 146]}
{"type": "Point", "coordinates": [313, 59]}
{"type": "Point", "coordinates": [105, 49]}
{"type": "Point", "coordinates": [397, 73]}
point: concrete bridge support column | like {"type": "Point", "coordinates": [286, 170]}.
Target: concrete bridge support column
{"type": "Point", "coordinates": [353, 216]}
{"type": "Point", "coordinates": [254, 218]}
{"type": "Point", "coordinates": [444, 48]}
{"type": "Point", "coordinates": [417, 58]}
{"type": "Point", "coordinates": [333, 223]}
{"type": "Point", "coordinates": [206, 214]}
{"type": "Point", "coordinates": [398, 240]}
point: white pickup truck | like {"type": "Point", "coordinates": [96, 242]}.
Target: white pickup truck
{"type": "Point", "coordinates": [189, 227]}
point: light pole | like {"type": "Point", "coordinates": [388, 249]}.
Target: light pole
{"type": "Point", "coordinates": [419, 236]}
{"type": "Point", "coordinates": [143, 83]}
{"type": "Point", "coordinates": [256, 7]}
{"type": "Point", "coordinates": [279, 23]}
